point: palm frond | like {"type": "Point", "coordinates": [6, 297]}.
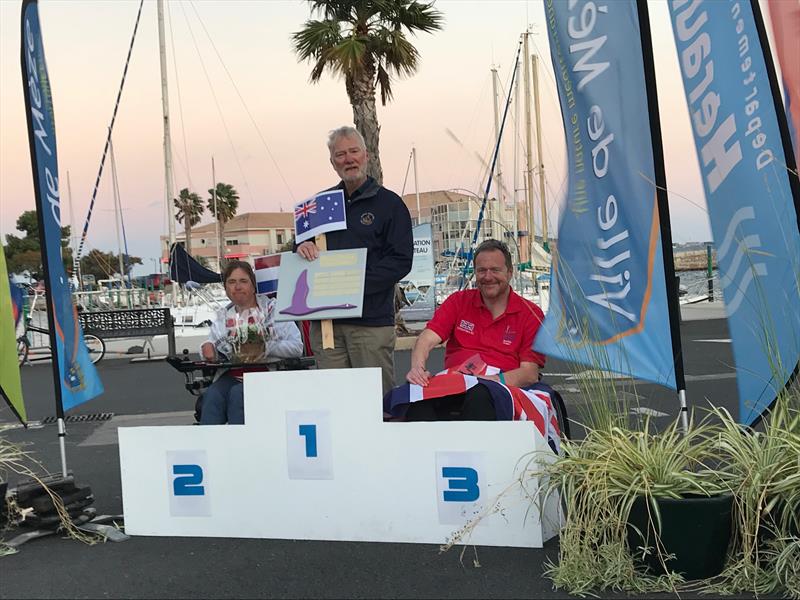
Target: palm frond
{"type": "Point", "coordinates": [410, 15]}
{"type": "Point", "coordinates": [385, 84]}
{"type": "Point", "coordinates": [315, 38]}
{"type": "Point", "coordinates": [347, 56]}
{"type": "Point", "coordinates": [399, 54]}
{"type": "Point", "coordinates": [338, 10]}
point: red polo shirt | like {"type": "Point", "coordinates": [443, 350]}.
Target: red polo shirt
{"type": "Point", "coordinates": [467, 326]}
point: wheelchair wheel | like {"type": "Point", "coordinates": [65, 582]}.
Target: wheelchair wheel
{"type": "Point", "coordinates": [95, 346]}
{"type": "Point", "coordinates": [561, 415]}
{"type": "Point", "coordinates": [22, 350]}
{"type": "Point", "coordinates": [198, 409]}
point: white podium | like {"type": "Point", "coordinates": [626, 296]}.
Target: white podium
{"type": "Point", "coordinates": [316, 461]}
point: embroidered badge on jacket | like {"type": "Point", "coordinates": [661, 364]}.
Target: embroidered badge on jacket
{"type": "Point", "coordinates": [367, 218]}
{"type": "Point", "coordinates": [508, 336]}
{"type": "Point", "coordinates": [466, 326]}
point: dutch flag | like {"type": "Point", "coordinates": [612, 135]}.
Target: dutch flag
{"type": "Point", "coordinates": [266, 269]}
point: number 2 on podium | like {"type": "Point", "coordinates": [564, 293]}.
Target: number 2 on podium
{"type": "Point", "coordinates": [309, 432]}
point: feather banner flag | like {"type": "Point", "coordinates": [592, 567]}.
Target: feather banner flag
{"type": "Point", "coordinates": [750, 182]}
{"type": "Point", "coordinates": [785, 19]}
{"type": "Point", "coordinates": [10, 384]}
{"type": "Point", "coordinates": [608, 306]}
{"type": "Point", "coordinates": [77, 379]}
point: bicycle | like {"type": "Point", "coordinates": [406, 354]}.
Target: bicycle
{"type": "Point", "coordinates": [29, 352]}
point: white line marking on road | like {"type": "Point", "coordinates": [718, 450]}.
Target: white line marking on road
{"type": "Point", "coordinates": [719, 341]}
{"type": "Point", "coordinates": [650, 412]}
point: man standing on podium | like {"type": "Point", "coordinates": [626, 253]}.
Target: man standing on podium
{"type": "Point", "coordinates": [378, 220]}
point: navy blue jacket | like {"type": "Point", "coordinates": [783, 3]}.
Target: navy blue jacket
{"type": "Point", "coordinates": [378, 220]}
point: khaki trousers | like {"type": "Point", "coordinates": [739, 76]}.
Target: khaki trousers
{"type": "Point", "coordinates": [357, 346]}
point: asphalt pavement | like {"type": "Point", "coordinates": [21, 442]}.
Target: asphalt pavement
{"type": "Point", "coordinates": [152, 393]}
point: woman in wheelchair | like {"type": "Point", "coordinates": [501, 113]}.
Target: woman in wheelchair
{"type": "Point", "coordinates": [244, 333]}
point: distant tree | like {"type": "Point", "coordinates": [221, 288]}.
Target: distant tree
{"type": "Point", "coordinates": [103, 265]}
{"type": "Point", "coordinates": [26, 260]}
{"type": "Point", "coordinates": [364, 42]}
{"type": "Point", "coordinates": [25, 253]}
{"type": "Point", "coordinates": [227, 203]}
{"type": "Point", "coordinates": [190, 208]}
{"type": "Point", "coordinates": [288, 246]}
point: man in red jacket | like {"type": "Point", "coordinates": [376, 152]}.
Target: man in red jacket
{"type": "Point", "coordinates": [489, 332]}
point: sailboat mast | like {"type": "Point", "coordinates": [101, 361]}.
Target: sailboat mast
{"type": "Point", "coordinates": [528, 142]}
{"type": "Point", "coordinates": [216, 217]}
{"type": "Point", "coordinates": [416, 185]}
{"type": "Point", "coordinates": [73, 238]}
{"type": "Point", "coordinates": [540, 166]}
{"type": "Point", "coordinates": [162, 51]}
{"type": "Point", "coordinates": [516, 182]}
{"type": "Point", "coordinates": [117, 214]}
{"type": "Point", "coordinates": [498, 171]}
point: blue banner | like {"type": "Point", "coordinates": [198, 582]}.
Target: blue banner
{"type": "Point", "coordinates": [743, 167]}
{"type": "Point", "coordinates": [77, 374]}
{"type": "Point", "coordinates": [608, 306]}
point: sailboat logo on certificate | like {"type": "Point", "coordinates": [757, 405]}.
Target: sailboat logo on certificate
{"type": "Point", "coordinates": [299, 306]}
{"type": "Point", "coordinates": [331, 287]}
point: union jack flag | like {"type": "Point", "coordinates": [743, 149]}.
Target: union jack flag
{"type": "Point", "coordinates": [305, 208]}
{"type": "Point", "coordinates": [534, 404]}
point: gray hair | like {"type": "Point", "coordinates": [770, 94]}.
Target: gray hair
{"type": "Point", "coordinates": [345, 131]}
{"type": "Point", "coordinates": [491, 244]}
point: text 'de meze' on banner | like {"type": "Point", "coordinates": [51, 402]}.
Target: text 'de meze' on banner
{"type": "Point", "coordinates": [608, 306]}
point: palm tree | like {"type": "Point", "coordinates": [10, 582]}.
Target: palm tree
{"type": "Point", "coordinates": [364, 41]}
{"type": "Point", "coordinates": [190, 207]}
{"type": "Point", "coordinates": [223, 208]}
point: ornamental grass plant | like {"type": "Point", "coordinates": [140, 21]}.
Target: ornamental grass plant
{"type": "Point", "coordinates": [600, 477]}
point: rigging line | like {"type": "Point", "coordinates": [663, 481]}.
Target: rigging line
{"type": "Point", "coordinates": [97, 257]}
{"type": "Point", "coordinates": [246, 108]}
{"type": "Point", "coordinates": [476, 106]}
{"type": "Point", "coordinates": [115, 183]}
{"type": "Point", "coordinates": [180, 102]}
{"type": "Point", "coordinates": [405, 179]}
{"type": "Point", "coordinates": [219, 109]}
{"type": "Point", "coordinates": [110, 129]}
{"type": "Point", "coordinates": [494, 161]}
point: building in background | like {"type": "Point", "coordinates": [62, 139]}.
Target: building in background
{"type": "Point", "coordinates": [454, 217]}
{"type": "Point", "coordinates": [245, 236]}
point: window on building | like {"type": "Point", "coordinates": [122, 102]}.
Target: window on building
{"type": "Point", "coordinates": [231, 242]}
{"type": "Point", "coordinates": [279, 237]}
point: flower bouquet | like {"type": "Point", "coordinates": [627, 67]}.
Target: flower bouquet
{"type": "Point", "coordinates": [249, 341]}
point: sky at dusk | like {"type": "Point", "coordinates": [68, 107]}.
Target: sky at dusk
{"type": "Point", "coordinates": [283, 158]}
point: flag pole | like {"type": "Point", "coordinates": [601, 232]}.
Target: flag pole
{"type": "Point", "coordinates": [673, 306]}
{"type": "Point", "coordinates": [51, 318]}
{"type": "Point", "coordinates": [327, 324]}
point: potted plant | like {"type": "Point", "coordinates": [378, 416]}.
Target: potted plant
{"type": "Point", "coordinates": [647, 510]}
{"type": "Point", "coordinates": [764, 475]}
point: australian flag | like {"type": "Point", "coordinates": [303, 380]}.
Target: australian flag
{"type": "Point", "coordinates": [324, 212]}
